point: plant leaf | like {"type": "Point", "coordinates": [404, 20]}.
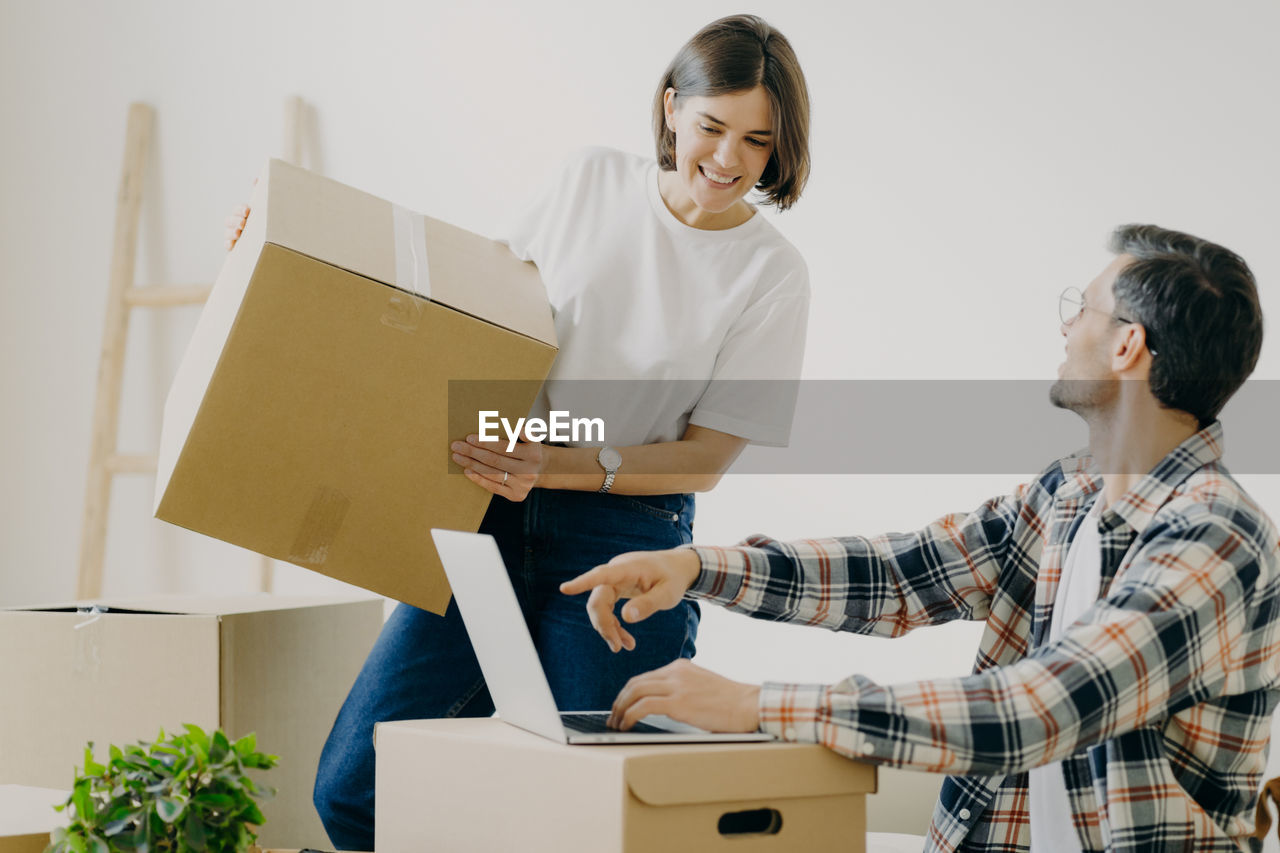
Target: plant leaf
{"type": "Point", "coordinates": [83, 802]}
{"type": "Point", "coordinates": [247, 745]}
{"type": "Point", "coordinates": [142, 835]}
{"type": "Point", "coordinates": [213, 801]}
{"type": "Point", "coordinates": [196, 836]}
{"type": "Point", "coordinates": [197, 735]}
{"type": "Point", "coordinates": [91, 767]}
{"type": "Point", "coordinates": [220, 746]}
{"type": "Point", "coordinates": [118, 825]}
{"type": "Point", "coordinates": [234, 781]}
{"type": "Point", "coordinates": [252, 814]}
{"type": "Point", "coordinates": [169, 809]}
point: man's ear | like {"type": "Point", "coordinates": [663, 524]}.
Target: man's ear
{"type": "Point", "coordinates": [1130, 348]}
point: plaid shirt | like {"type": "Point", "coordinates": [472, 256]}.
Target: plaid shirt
{"type": "Point", "coordinates": [1157, 700]}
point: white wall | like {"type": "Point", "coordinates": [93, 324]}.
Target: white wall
{"type": "Point", "coordinates": [969, 161]}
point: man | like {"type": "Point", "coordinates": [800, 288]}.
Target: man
{"type": "Point", "coordinates": [1131, 659]}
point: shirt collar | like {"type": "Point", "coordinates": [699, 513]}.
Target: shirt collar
{"type": "Point", "coordinates": [1138, 506]}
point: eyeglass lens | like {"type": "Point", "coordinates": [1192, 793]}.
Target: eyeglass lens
{"type": "Point", "coordinates": [1070, 304]}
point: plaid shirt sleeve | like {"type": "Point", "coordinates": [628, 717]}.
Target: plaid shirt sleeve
{"type": "Point", "coordinates": [1181, 625]}
{"type": "Point", "coordinates": [884, 586]}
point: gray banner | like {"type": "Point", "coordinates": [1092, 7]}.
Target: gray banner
{"type": "Point", "coordinates": [943, 426]}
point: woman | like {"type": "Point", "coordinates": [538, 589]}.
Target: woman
{"type": "Point", "coordinates": [666, 281]}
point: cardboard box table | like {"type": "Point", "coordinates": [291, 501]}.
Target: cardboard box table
{"type": "Point", "coordinates": [278, 666]}
{"type": "Point", "coordinates": [345, 343]}
{"type": "Point", "coordinates": [483, 785]}
{"type": "Point", "coordinates": [27, 817]}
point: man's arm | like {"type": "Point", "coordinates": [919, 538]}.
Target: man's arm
{"type": "Point", "coordinates": [1195, 617]}
{"type": "Point", "coordinates": [885, 585]}
{"type": "Point", "coordinates": [1191, 620]}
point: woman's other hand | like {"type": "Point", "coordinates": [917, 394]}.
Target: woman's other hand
{"type": "Point", "coordinates": [235, 224]}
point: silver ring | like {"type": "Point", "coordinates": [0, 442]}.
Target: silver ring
{"type": "Point", "coordinates": [505, 475]}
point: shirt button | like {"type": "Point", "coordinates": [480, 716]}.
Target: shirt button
{"type": "Point", "coordinates": [789, 734]}
{"type": "Point", "coordinates": [868, 748]}
{"type": "Point", "coordinates": [964, 814]}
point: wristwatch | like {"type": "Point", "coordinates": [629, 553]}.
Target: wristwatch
{"type": "Point", "coordinates": [610, 460]}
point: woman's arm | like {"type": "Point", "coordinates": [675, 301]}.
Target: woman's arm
{"type": "Point", "coordinates": [695, 463]}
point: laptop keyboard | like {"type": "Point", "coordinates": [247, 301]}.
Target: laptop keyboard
{"type": "Point", "coordinates": [594, 722]}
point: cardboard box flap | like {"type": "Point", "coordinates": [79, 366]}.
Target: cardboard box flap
{"type": "Point", "coordinates": [363, 234]}
{"type": "Point", "coordinates": [192, 605]}
{"type": "Point", "coordinates": [25, 810]}
{"type": "Point", "coordinates": [328, 221]}
{"type": "Point", "coordinates": [135, 607]}
{"type": "Point", "coordinates": [88, 610]}
{"type": "Point", "coordinates": [227, 605]}
{"type": "Point", "coordinates": [482, 278]}
{"type": "Point", "coordinates": [670, 776]}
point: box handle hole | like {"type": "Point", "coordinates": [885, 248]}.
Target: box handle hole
{"type": "Point", "coordinates": [750, 822]}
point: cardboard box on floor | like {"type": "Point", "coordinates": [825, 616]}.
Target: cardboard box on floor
{"type": "Point", "coordinates": [27, 817]}
{"type": "Point", "coordinates": [278, 666]}
{"type": "Point", "coordinates": [311, 415]}
{"type": "Point", "coordinates": [483, 785]}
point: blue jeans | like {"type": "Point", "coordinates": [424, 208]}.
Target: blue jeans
{"type": "Point", "coordinates": [423, 667]}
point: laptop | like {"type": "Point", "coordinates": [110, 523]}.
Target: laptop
{"type": "Point", "coordinates": [510, 663]}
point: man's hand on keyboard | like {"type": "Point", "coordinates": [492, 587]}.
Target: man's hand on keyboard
{"type": "Point", "coordinates": [688, 693]}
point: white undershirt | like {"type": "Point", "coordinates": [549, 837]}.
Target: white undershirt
{"type": "Point", "coordinates": [1052, 830]}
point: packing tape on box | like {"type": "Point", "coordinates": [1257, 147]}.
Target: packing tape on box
{"type": "Point", "coordinates": [320, 525]}
{"type": "Point", "coordinates": [86, 662]}
{"type": "Point", "coordinates": [412, 271]}
{"type": "Point", "coordinates": [413, 275]}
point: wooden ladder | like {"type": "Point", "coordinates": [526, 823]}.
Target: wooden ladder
{"type": "Point", "coordinates": [123, 295]}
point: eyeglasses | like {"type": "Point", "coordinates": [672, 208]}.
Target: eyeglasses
{"type": "Point", "coordinates": [1071, 305]}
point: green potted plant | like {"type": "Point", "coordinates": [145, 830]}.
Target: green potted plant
{"type": "Point", "coordinates": [187, 792]}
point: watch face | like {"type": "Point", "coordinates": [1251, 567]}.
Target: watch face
{"type": "Point", "coordinates": [609, 458]}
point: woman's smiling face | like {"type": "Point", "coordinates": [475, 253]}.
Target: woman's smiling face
{"type": "Point", "coordinates": [723, 144]}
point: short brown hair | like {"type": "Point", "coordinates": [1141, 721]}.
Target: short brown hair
{"type": "Point", "coordinates": [1199, 305]}
{"type": "Point", "coordinates": [736, 54]}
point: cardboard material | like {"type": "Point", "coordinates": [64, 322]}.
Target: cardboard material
{"type": "Point", "coordinates": [278, 666]}
{"type": "Point", "coordinates": [482, 785]}
{"type": "Point", "coordinates": [311, 416]}
{"type": "Point", "coordinates": [27, 817]}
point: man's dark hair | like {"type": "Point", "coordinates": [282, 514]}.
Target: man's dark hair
{"type": "Point", "coordinates": [1199, 305]}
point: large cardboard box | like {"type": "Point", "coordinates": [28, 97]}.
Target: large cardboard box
{"type": "Point", "coordinates": [278, 666]}
{"type": "Point", "coordinates": [27, 817]}
{"type": "Point", "coordinates": [311, 415]}
{"type": "Point", "coordinates": [483, 785]}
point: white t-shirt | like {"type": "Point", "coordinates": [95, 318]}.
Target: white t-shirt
{"type": "Point", "coordinates": [1052, 829]}
{"type": "Point", "coordinates": [639, 295]}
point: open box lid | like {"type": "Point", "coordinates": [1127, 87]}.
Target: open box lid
{"type": "Point", "coordinates": [674, 776]}
{"type": "Point", "coordinates": [25, 810]}
{"type": "Point", "coordinates": [192, 605]}
{"type": "Point", "coordinates": [366, 235]}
